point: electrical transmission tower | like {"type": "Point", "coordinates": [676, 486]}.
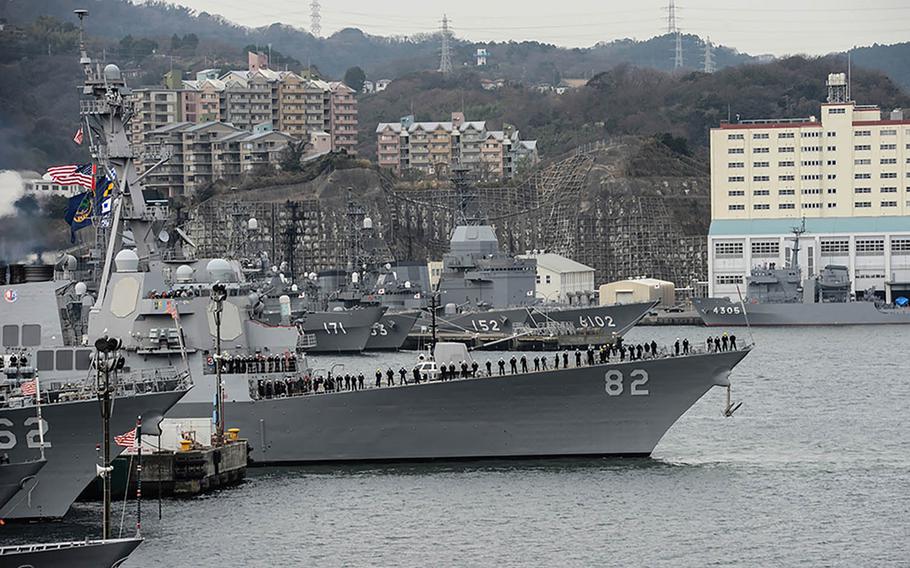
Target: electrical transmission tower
{"type": "Point", "coordinates": [710, 66]}
{"type": "Point", "coordinates": [315, 19]}
{"type": "Point", "coordinates": [673, 28]}
{"type": "Point", "coordinates": [445, 59]}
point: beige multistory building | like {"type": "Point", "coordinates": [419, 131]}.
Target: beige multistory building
{"type": "Point", "coordinates": [427, 148]}
{"type": "Point", "coordinates": [846, 172]}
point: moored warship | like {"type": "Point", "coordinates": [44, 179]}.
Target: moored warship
{"type": "Point", "coordinates": [782, 297]}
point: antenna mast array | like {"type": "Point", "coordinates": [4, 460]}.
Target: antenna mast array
{"type": "Point", "coordinates": [315, 19]}
{"type": "Point", "coordinates": [445, 59]}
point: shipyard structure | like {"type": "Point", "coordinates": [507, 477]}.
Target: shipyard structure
{"type": "Point", "coordinates": [626, 207]}
{"type": "Point", "coordinates": [847, 174]}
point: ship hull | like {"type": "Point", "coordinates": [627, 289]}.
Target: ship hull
{"type": "Point", "coordinates": [73, 431]}
{"type": "Point", "coordinates": [549, 413]}
{"type": "Point", "coordinates": [341, 332]}
{"type": "Point", "coordinates": [390, 332]}
{"type": "Point", "coordinates": [13, 476]}
{"type": "Point", "coordinates": [79, 554]}
{"type": "Point", "coordinates": [721, 312]}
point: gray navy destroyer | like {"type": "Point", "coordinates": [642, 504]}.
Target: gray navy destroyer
{"type": "Point", "coordinates": [155, 295]}
{"type": "Point", "coordinates": [782, 297]}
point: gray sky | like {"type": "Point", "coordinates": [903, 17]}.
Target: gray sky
{"type": "Point", "coordinates": [766, 26]}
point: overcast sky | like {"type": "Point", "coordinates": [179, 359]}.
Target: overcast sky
{"type": "Point", "coordinates": [766, 26]}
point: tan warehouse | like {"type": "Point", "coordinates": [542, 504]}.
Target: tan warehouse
{"type": "Point", "coordinates": [638, 290]}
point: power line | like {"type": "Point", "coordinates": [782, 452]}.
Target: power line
{"type": "Point", "coordinates": [710, 66]}
{"type": "Point", "coordinates": [445, 59]}
{"type": "Point", "coordinates": [315, 19]}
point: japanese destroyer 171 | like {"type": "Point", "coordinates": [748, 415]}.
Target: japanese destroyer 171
{"type": "Point", "coordinates": [781, 297]}
{"type": "Point", "coordinates": [294, 414]}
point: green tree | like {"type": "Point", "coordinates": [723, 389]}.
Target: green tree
{"type": "Point", "coordinates": [354, 78]}
{"type": "Point", "coordinates": [292, 155]}
{"type": "Point", "coordinates": [176, 43]}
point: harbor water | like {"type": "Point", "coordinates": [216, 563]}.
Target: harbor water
{"type": "Point", "coordinates": [813, 470]}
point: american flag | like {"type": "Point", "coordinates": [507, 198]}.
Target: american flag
{"type": "Point", "coordinates": [77, 138]}
{"type": "Point", "coordinates": [74, 174]}
{"type": "Point", "coordinates": [172, 310]}
{"type": "Point", "coordinates": [29, 388]}
{"type": "Point", "coordinates": [127, 440]}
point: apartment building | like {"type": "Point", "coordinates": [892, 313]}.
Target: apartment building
{"type": "Point", "coordinates": [205, 152]}
{"type": "Point", "coordinates": [343, 117]}
{"type": "Point", "coordinates": [428, 148]}
{"type": "Point", "coordinates": [847, 174]}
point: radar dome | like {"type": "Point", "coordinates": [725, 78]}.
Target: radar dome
{"type": "Point", "coordinates": [126, 261]}
{"type": "Point", "coordinates": [355, 277]}
{"type": "Point", "coordinates": [294, 288]}
{"type": "Point", "coordinates": [252, 224]}
{"type": "Point", "coordinates": [407, 285]}
{"type": "Point", "coordinates": [111, 72]}
{"type": "Point", "coordinates": [219, 270]}
{"type": "Point", "coordinates": [80, 288]}
{"type": "Point", "coordinates": [367, 223]}
{"type": "Point", "coordinates": [184, 273]}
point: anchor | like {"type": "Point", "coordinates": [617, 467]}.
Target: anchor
{"type": "Point", "coordinates": [731, 406]}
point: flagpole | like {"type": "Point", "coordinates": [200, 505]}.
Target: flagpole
{"type": "Point", "coordinates": [40, 420]}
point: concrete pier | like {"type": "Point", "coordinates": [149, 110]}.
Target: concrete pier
{"type": "Point", "coordinates": [187, 473]}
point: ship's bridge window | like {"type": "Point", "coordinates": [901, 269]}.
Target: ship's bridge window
{"type": "Point", "coordinates": [64, 360]}
{"type": "Point", "coordinates": [83, 359]}
{"type": "Point", "coordinates": [45, 360]}
{"type": "Point", "coordinates": [31, 335]}
{"type": "Point", "coordinates": [10, 335]}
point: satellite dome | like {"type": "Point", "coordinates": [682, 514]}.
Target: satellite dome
{"type": "Point", "coordinates": [111, 72]}
{"type": "Point", "coordinates": [407, 285]}
{"type": "Point", "coordinates": [252, 224]}
{"type": "Point", "coordinates": [219, 270]}
{"type": "Point", "coordinates": [184, 273]}
{"type": "Point", "coordinates": [367, 223]}
{"type": "Point", "coordinates": [355, 277]}
{"type": "Point", "coordinates": [80, 288]}
{"type": "Point", "coordinates": [127, 261]}
{"type": "Point", "coordinates": [294, 288]}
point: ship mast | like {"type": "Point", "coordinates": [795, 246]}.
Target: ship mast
{"type": "Point", "coordinates": [797, 232]}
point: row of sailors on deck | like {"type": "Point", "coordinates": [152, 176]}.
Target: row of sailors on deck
{"type": "Point", "coordinates": [256, 363]}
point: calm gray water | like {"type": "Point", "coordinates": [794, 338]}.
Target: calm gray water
{"type": "Point", "coordinates": [814, 470]}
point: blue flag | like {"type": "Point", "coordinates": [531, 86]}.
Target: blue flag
{"type": "Point", "coordinates": [78, 213]}
{"type": "Point", "coordinates": [104, 192]}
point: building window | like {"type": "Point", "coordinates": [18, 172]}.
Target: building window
{"type": "Point", "coordinates": [888, 147]}
{"type": "Point", "coordinates": [832, 205]}
{"type": "Point", "coordinates": [728, 250]}
{"type": "Point", "coordinates": [831, 163]}
{"type": "Point", "coordinates": [735, 150]}
{"type": "Point", "coordinates": [890, 189]}
{"type": "Point", "coordinates": [786, 164]}
{"type": "Point", "coordinates": [870, 246]}
{"type": "Point", "coordinates": [815, 134]}
{"type": "Point", "coordinates": [785, 135]}
{"type": "Point", "coordinates": [862, 176]}
{"type": "Point", "coordinates": [10, 335]}
{"type": "Point", "coordinates": [786, 149]}
{"type": "Point", "coordinates": [760, 136]}
{"type": "Point", "coordinates": [889, 203]}
{"type": "Point", "coordinates": [761, 206]}
{"type": "Point", "coordinates": [888, 175]}
{"type": "Point", "coordinates": [765, 248]}
{"type": "Point", "coordinates": [811, 191]}
{"type": "Point", "coordinates": [760, 192]}
{"type": "Point", "coordinates": [863, 133]}
{"type": "Point", "coordinates": [832, 134]}
{"type": "Point", "coordinates": [837, 111]}
{"type": "Point", "coordinates": [736, 178]}
{"type": "Point", "coordinates": [786, 192]}
{"type": "Point", "coordinates": [862, 147]}
{"type": "Point", "coordinates": [888, 132]}
{"type": "Point", "coordinates": [760, 178]}
{"type": "Point", "coordinates": [728, 278]}
{"type": "Point", "coordinates": [737, 207]}
{"type": "Point", "coordinates": [862, 204]}
{"type": "Point", "coordinates": [548, 279]}
{"type": "Point", "coordinates": [734, 165]}
{"type": "Point", "coordinates": [832, 148]}
{"type": "Point", "coordinates": [786, 178]}
{"type": "Point", "coordinates": [736, 193]}
{"type": "Point", "coordinates": [811, 177]}
{"type": "Point", "coordinates": [760, 164]}
{"type": "Point", "coordinates": [811, 162]}
{"type": "Point", "coordinates": [885, 161]}
{"type": "Point", "coordinates": [812, 205]}
{"type": "Point", "coordinates": [900, 246]}
{"type": "Point", "coordinates": [834, 247]}
{"type": "Point", "coordinates": [786, 206]}
{"type": "Point", "coordinates": [832, 176]}
{"type": "Point", "coordinates": [862, 162]}
{"type": "Point", "coordinates": [734, 136]}
{"type": "Point", "coordinates": [811, 148]}
{"type": "Point", "coordinates": [832, 190]}
{"type": "Point", "coordinates": [862, 190]}
{"type": "Point", "coordinates": [761, 150]}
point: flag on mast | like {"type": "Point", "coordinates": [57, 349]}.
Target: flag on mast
{"type": "Point", "coordinates": [77, 138]}
{"type": "Point", "coordinates": [127, 440]}
{"type": "Point", "coordinates": [29, 388]}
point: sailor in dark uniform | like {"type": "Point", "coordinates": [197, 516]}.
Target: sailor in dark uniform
{"type": "Point", "coordinates": [524, 364]}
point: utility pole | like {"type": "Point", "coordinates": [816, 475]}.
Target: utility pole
{"type": "Point", "coordinates": [445, 59]}
{"type": "Point", "coordinates": [315, 19]}
{"type": "Point", "coordinates": [107, 360]}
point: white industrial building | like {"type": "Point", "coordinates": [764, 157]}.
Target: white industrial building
{"type": "Point", "coordinates": [847, 174]}
{"type": "Point", "coordinates": [561, 279]}
{"type": "Point", "coordinates": [637, 290]}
